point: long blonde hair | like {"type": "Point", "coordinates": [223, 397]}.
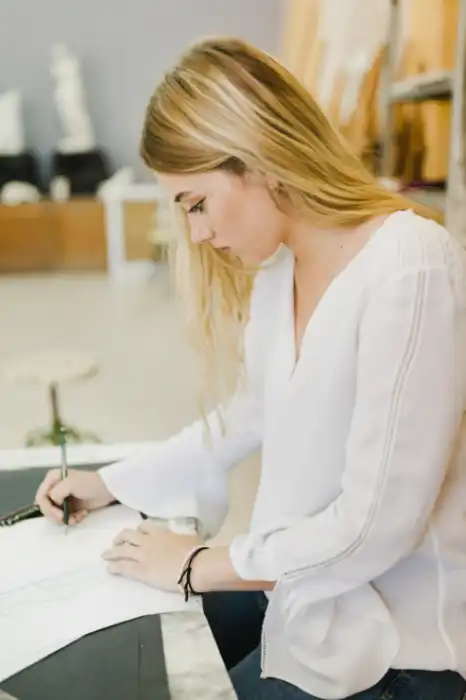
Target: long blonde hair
{"type": "Point", "coordinates": [226, 104]}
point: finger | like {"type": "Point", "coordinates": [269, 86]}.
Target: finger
{"type": "Point", "coordinates": [130, 536]}
{"type": "Point", "coordinates": [77, 517]}
{"type": "Point", "coordinates": [49, 502]}
{"type": "Point", "coordinates": [126, 568]}
{"type": "Point", "coordinates": [52, 477]}
{"type": "Point", "coordinates": [61, 490]}
{"type": "Point", "coordinates": [50, 510]}
{"type": "Point", "coordinates": [123, 551]}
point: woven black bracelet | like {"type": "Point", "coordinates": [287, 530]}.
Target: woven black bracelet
{"type": "Point", "coordinates": [185, 578]}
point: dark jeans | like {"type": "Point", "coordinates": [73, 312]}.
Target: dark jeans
{"type": "Point", "coordinates": [236, 622]}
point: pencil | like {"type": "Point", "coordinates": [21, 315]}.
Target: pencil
{"type": "Point", "coordinates": [64, 473]}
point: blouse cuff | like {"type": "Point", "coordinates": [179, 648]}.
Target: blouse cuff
{"type": "Point", "coordinates": [251, 560]}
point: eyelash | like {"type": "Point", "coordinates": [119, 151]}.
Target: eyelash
{"type": "Point", "coordinates": [197, 208]}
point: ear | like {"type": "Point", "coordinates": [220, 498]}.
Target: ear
{"type": "Point", "coordinates": [258, 177]}
{"type": "Point", "coordinates": [272, 183]}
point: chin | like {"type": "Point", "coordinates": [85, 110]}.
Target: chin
{"type": "Point", "coordinates": [253, 258]}
{"type": "Point", "coordinates": [248, 260]}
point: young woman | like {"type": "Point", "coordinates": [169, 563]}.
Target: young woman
{"type": "Point", "coordinates": [336, 313]}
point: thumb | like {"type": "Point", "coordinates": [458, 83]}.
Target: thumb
{"type": "Point", "coordinates": [60, 491]}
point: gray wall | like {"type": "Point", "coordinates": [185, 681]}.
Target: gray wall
{"type": "Point", "coordinates": [124, 46]}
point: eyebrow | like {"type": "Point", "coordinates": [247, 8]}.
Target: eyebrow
{"type": "Point", "coordinates": [180, 196]}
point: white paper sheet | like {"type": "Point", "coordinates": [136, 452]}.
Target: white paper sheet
{"type": "Point", "coordinates": [54, 586]}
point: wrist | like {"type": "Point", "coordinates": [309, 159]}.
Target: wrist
{"type": "Point", "coordinates": [185, 579]}
{"type": "Point", "coordinates": [201, 572]}
{"type": "Point", "coordinates": [213, 570]}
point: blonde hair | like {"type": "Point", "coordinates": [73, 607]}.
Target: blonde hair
{"type": "Point", "coordinates": [226, 104]}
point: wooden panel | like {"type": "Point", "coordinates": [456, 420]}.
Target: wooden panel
{"type": "Point", "coordinates": [456, 201]}
{"type": "Point", "coordinates": [300, 49]}
{"type": "Point", "coordinates": [428, 33]}
{"type": "Point", "coordinates": [432, 39]}
{"type": "Point", "coordinates": [27, 238]}
{"type": "Point", "coordinates": [138, 223]}
{"type": "Point", "coordinates": [53, 236]}
{"type": "Point", "coordinates": [81, 236]}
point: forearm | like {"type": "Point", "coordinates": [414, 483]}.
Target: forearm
{"type": "Point", "coordinates": [212, 570]}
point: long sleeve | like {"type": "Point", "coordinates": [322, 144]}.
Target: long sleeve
{"type": "Point", "coordinates": [408, 406]}
{"type": "Point", "coordinates": [186, 475]}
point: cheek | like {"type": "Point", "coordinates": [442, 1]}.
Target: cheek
{"type": "Point", "coordinates": [226, 216]}
{"type": "Point", "coordinates": [247, 222]}
{"type": "Point", "coordinates": [264, 226]}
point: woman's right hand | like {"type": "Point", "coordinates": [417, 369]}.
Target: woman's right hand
{"type": "Point", "coordinates": [85, 491]}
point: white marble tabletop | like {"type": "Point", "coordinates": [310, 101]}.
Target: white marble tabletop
{"type": "Point", "coordinates": [194, 666]}
{"type": "Point", "coordinates": [4, 696]}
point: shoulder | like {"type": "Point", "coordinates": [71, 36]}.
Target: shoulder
{"type": "Point", "coordinates": [408, 245]}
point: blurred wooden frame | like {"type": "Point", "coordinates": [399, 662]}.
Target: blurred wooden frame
{"type": "Point", "coordinates": [422, 130]}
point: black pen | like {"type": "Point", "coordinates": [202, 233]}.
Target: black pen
{"type": "Point", "coordinates": [64, 473]}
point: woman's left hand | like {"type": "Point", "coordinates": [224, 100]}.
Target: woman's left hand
{"type": "Point", "coordinates": [150, 554]}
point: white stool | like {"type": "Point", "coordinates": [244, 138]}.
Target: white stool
{"type": "Point", "coordinates": [53, 370]}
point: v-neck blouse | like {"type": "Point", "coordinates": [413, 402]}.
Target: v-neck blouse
{"type": "Point", "coordinates": [360, 512]}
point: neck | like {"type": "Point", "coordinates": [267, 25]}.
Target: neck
{"type": "Point", "coordinates": [327, 248]}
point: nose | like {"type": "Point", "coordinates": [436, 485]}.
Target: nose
{"type": "Point", "coordinates": [200, 232]}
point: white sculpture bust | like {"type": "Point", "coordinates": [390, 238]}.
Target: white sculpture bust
{"type": "Point", "coordinates": [12, 143]}
{"type": "Point", "coordinates": [11, 124]}
{"type": "Point", "coordinates": [70, 102]}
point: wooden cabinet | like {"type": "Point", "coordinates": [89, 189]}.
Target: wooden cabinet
{"type": "Point", "coordinates": [53, 236]}
{"type": "Point", "coordinates": [139, 220]}
{"type": "Point", "coordinates": [80, 235]}
{"type": "Point", "coordinates": [27, 238]}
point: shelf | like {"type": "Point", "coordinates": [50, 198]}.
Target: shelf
{"type": "Point", "coordinates": [424, 87]}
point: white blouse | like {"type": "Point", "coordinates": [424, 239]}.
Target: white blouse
{"type": "Point", "coordinates": [360, 515]}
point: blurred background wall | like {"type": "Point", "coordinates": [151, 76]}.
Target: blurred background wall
{"type": "Point", "coordinates": [124, 47]}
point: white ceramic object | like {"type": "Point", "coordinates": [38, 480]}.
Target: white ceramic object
{"type": "Point", "coordinates": [116, 184]}
{"type": "Point", "coordinates": [12, 141]}
{"type": "Point", "coordinates": [14, 193]}
{"type": "Point", "coordinates": [70, 101]}
{"type": "Point", "coordinates": [60, 189]}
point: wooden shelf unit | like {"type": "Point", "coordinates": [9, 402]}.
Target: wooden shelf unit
{"type": "Point", "coordinates": [438, 85]}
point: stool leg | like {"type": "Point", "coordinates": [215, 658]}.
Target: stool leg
{"type": "Point", "coordinates": [52, 436]}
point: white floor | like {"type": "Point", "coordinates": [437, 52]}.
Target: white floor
{"type": "Point", "coordinates": [147, 385]}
